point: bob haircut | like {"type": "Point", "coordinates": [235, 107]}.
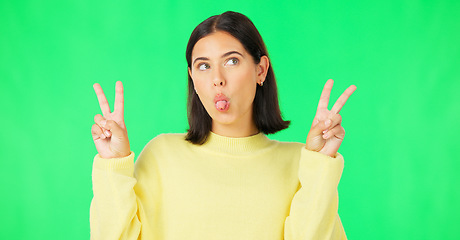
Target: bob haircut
{"type": "Point", "coordinates": [266, 110]}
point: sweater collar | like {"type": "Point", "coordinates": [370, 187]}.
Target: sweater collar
{"type": "Point", "coordinates": [241, 145]}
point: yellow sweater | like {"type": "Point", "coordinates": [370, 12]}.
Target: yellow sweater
{"type": "Point", "coordinates": [228, 188]}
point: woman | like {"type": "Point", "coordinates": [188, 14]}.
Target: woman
{"type": "Point", "coordinates": [224, 179]}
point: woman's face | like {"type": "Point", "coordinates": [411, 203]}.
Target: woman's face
{"type": "Point", "coordinates": [225, 78]}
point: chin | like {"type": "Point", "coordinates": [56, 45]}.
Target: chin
{"type": "Point", "coordinates": [223, 118]}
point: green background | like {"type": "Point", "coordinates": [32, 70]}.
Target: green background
{"type": "Point", "coordinates": [400, 179]}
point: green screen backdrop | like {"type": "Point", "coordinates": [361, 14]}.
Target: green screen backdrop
{"type": "Point", "coordinates": [401, 175]}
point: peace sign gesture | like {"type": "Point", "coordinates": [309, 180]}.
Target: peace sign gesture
{"type": "Point", "coordinates": [109, 131]}
{"type": "Point", "coordinates": [326, 133]}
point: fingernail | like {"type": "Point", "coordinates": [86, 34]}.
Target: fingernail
{"type": "Point", "coordinates": [325, 136]}
{"type": "Point", "coordinates": [325, 131]}
{"type": "Point", "coordinates": [327, 123]}
{"type": "Point", "coordinates": [107, 133]}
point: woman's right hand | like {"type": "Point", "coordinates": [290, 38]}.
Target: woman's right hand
{"type": "Point", "coordinates": [109, 131]}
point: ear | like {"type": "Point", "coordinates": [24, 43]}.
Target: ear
{"type": "Point", "coordinates": [262, 69]}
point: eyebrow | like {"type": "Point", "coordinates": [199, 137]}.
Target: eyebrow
{"type": "Point", "coordinates": [223, 55]}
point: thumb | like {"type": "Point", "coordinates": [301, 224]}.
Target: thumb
{"type": "Point", "coordinates": [319, 126]}
{"type": "Point", "coordinates": [114, 128]}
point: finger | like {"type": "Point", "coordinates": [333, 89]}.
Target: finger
{"type": "Point", "coordinates": [114, 128]}
{"type": "Point", "coordinates": [100, 121]}
{"type": "Point", "coordinates": [324, 99]}
{"type": "Point", "coordinates": [317, 130]}
{"type": "Point", "coordinates": [343, 99]}
{"type": "Point", "coordinates": [315, 122]}
{"type": "Point", "coordinates": [96, 132]}
{"type": "Point", "coordinates": [337, 132]}
{"type": "Point", "coordinates": [119, 99]}
{"type": "Point", "coordinates": [332, 122]}
{"type": "Point", "coordinates": [105, 108]}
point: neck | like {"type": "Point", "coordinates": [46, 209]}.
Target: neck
{"type": "Point", "coordinates": [234, 130]}
{"type": "Point", "coordinates": [236, 146]}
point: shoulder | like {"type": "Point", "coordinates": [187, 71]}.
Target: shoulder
{"type": "Point", "coordinates": [288, 146]}
{"type": "Point", "coordinates": [286, 150]}
{"type": "Point", "coordinates": [162, 147]}
{"type": "Point", "coordinates": [167, 139]}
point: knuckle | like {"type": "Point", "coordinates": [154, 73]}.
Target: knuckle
{"type": "Point", "coordinates": [95, 128]}
{"type": "Point", "coordinates": [337, 117]}
{"type": "Point", "coordinates": [98, 117]}
{"type": "Point", "coordinates": [111, 123]}
{"type": "Point", "coordinates": [340, 131]}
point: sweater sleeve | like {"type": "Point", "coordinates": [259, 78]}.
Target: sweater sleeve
{"type": "Point", "coordinates": [314, 208]}
{"type": "Point", "coordinates": [114, 209]}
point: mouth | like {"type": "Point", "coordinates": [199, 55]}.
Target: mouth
{"type": "Point", "coordinates": [221, 102]}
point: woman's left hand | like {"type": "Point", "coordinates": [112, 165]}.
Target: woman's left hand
{"type": "Point", "coordinates": [326, 133]}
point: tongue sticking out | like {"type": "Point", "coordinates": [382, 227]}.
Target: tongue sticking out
{"type": "Point", "coordinates": [221, 105]}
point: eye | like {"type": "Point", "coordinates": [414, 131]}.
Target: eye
{"type": "Point", "coordinates": [203, 66]}
{"type": "Point", "coordinates": [232, 61]}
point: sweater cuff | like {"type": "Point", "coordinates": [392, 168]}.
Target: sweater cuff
{"type": "Point", "coordinates": [114, 163]}
{"type": "Point", "coordinates": [338, 158]}
{"type": "Point", "coordinates": [319, 168]}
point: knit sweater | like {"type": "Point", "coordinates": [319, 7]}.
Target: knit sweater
{"type": "Point", "coordinates": [227, 188]}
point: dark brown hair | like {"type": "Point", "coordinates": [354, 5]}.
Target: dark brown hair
{"type": "Point", "coordinates": [266, 110]}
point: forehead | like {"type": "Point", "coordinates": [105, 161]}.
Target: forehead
{"type": "Point", "coordinates": [216, 44]}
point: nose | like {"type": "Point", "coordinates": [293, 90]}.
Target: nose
{"type": "Point", "coordinates": [218, 78]}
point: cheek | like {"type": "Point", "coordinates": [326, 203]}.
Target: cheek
{"type": "Point", "coordinates": [200, 89]}
{"type": "Point", "coordinates": [197, 83]}
{"type": "Point", "coordinates": [245, 87]}
{"type": "Point", "coordinates": [247, 82]}
{"type": "Point", "coordinates": [250, 93]}
{"type": "Point", "coordinates": [245, 76]}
